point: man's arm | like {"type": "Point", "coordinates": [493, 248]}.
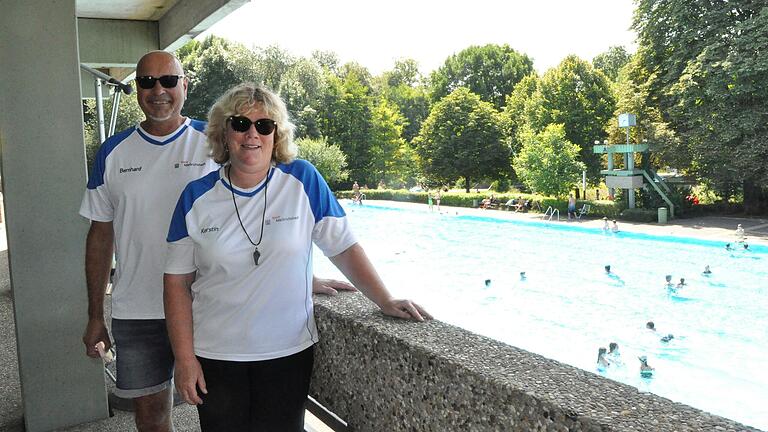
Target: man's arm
{"type": "Point", "coordinates": [99, 247]}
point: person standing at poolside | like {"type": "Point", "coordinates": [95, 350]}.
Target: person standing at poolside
{"type": "Point", "coordinates": [571, 206]}
{"type": "Point", "coordinates": [438, 195]}
{"type": "Point", "coordinates": [133, 186]}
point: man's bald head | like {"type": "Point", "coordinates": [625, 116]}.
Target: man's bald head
{"type": "Point", "coordinates": [154, 59]}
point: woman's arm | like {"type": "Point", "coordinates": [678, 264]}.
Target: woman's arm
{"type": "Point", "coordinates": [177, 299]}
{"type": "Point", "coordinates": [356, 266]}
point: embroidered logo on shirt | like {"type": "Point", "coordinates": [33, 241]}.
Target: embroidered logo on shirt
{"type": "Point", "coordinates": [209, 230]}
{"type": "Point", "coordinates": [278, 219]}
{"type": "Point", "coordinates": [188, 164]}
{"type": "Point", "coordinates": [130, 169]}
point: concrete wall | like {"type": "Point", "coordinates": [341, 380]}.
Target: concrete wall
{"type": "Point", "coordinates": [382, 374]}
{"type": "Point", "coordinates": [43, 168]}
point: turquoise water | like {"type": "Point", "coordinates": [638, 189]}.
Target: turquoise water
{"type": "Point", "coordinates": [568, 307]}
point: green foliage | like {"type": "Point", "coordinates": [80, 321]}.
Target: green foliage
{"type": "Point", "coordinates": [708, 76]}
{"type": "Point", "coordinates": [214, 66]}
{"type": "Point", "coordinates": [577, 96]}
{"type": "Point", "coordinates": [547, 162]}
{"type": "Point", "coordinates": [490, 71]}
{"type": "Point", "coordinates": [461, 138]}
{"type": "Point", "coordinates": [611, 61]}
{"type": "Point", "coordinates": [327, 158]}
{"type": "Point", "coordinates": [389, 154]}
{"type": "Point", "coordinates": [640, 215]}
{"type": "Point", "coordinates": [402, 87]}
{"type": "Point", "coordinates": [345, 117]}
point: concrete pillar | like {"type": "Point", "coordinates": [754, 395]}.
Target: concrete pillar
{"type": "Point", "coordinates": [43, 167]}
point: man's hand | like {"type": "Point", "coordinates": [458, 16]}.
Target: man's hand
{"type": "Point", "coordinates": [95, 332]}
{"type": "Point", "coordinates": [330, 286]}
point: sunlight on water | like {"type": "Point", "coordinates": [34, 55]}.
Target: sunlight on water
{"type": "Point", "coordinates": [568, 307]}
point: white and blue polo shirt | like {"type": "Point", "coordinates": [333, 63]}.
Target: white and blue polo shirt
{"type": "Point", "coordinates": [135, 182]}
{"type": "Point", "coordinates": [244, 312]}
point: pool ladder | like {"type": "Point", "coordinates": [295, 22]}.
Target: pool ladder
{"type": "Point", "coordinates": [551, 212]}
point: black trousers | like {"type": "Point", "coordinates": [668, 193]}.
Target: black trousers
{"type": "Point", "coordinates": [262, 396]}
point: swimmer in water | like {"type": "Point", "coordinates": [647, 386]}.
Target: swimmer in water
{"type": "Point", "coordinates": [613, 355]}
{"type": "Point", "coordinates": [746, 246]}
{"type": "Point", "coordinates": [522, 275]}
{"type": "Point", "coordinates": [608, 268]}
{"type": "Point", "coordinates": [728, 246]}
{"type": "Point", "coordinates": [707, 271]}
{"type": "Point", "coordinates": [646, 371]}
{"type": "Point", "coordinates": [681, 284]}
{"type": "Point", "coordinates": [487, 282]}
{"type": "Point", "coordinates": [615, 227]}
{"type": "Point", "coordinates": [652, 327]}
{"type": "Point", "coordinates": [602, 362]}
{"type": "Point", "coordinates": [669, 283]}
{"type": "Point", "coordinates": [605, 224]}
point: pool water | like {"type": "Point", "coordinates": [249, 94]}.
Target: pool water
{"type": "Point", "coordinates": [567, 306]}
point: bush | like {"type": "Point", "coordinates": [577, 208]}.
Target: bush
{"type": "Point", "coordinates": [640, 215]}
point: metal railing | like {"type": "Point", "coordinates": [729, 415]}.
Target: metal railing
{"type": "Point", "coordinates": [551, 212]}
{"type": "Point", "coordinates": [101, 79]}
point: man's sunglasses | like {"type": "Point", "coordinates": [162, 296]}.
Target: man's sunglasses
{"type": "Point", "coordinates": [167, 81]}
{"type": "Point", "coordinates": [242, 124]}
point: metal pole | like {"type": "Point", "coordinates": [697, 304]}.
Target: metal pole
{"type": "Point", "coordinates": [115, 108]}
{"type": "Point", "coordinates": [99, 109]}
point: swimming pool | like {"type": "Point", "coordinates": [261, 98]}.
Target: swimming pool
{"type": "Point", "coordinates": [568, 307]}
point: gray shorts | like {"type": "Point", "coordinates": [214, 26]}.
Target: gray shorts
{"type": "Point", "coordinates": [144, 357]}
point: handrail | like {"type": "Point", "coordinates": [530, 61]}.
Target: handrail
{"type": "Point", "coordinates": [126, 88]}
{"type": "Point", "coordinates": [551, 212]}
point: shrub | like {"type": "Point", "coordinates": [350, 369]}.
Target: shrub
{"type": "Point", "coordinates": [640, 215]}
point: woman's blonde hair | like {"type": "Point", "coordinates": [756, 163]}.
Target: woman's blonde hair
{"type": "Point", "coordinates": [238, 101]}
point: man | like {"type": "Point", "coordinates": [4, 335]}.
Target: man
{"type": "Point", "coordinates": [137, 177]}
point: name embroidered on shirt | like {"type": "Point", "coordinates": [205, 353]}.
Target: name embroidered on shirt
{"type": "Point", "coordinates": [208, 230]}
{"type": "Point", "coordinates": [130, 169]}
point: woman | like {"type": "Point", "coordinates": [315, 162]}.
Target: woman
{"type": "Point", "coordinates": [239, 270]}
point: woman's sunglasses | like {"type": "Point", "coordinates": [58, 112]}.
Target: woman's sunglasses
{"type": "Point", "coordinates": [242, 124]}
{"type": "Point", "coordinates": [167, 81]}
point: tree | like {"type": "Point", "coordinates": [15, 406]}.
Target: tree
{"type": "Point", "coordinates": [579, 97]}
{"type": "Point", "coordinates": [516, 111]}
{"type": "Point", "coordinates": [611, 61]}
{"type": "Point", "coordinates": [387, 152]}
{"type": "Point", "coordinates": [548, 162]}
{"type": "Point", "coordinates": [345, 118]}
{"type": "Point", "coordinates": [461, 137]}
{"type": "Point", "coordinates": [402, 87]}
{"type": "Point", "coordinates": [327, 158]}
{"type": "Point", "coordinates": [214, 66]}
{"type": "Point", "coordinates": [490, 71]}
{"type": "Point", "coordinates": [708, 77]}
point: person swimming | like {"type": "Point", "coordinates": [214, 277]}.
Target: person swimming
{"type": "Point", "coordinates": [615, 227]}
{"type": "Point", "coordinates": [681, 284]}
{"type": "Point", "coordinates": [706, 271]}
{"type": "Point", "coordinates": [522, 275]}
{"type": "Point", "coordinates": [487, 282]}
{"type": "Point", "coordinates": [646, 371]}
{"type": "Point", "coordinates": [613, 356]}
{"type": "Point", "coordinates": [668, 279]}
{"type": "Point", "coordinates": [602, 362]}
{"type": "Point", "coordinates": [605, 224]}
{"type": "Point", "coordinates": [728, 246]}
{"type": "Point", "coordinates": [746, 246]}
{"type": "Point", "coordinates": [652, 327]}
